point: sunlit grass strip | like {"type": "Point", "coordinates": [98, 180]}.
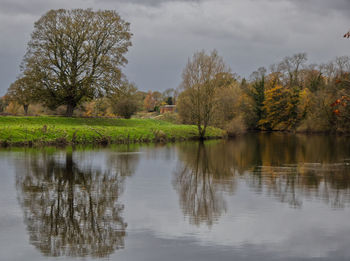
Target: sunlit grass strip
{"type": "Point", "coordinates": [61, 131]}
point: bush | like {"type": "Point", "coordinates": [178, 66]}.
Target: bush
{"type": "Point", "coordinates": [235, 127]}
{"type": "Point", "coordinates": [124, 101]}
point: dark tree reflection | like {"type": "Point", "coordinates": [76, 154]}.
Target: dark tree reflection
{"type": "Point", "coordinates": [71, 210]}
{"type": "Point", "coordinates": [199, 182]}
{"type": "Point", "coordinates": [329, 183]}
{"type": "Point", "coordinates": [289, 168]}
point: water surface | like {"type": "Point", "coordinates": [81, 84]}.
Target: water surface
{"type": "Point", "coordinates": [258, 197]}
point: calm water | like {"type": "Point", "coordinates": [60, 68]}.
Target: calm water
{"type": "Point", "coordinates": [258, 197]}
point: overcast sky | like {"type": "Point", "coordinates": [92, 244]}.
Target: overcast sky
{"type": "Point", "coordinates": [247, 33]}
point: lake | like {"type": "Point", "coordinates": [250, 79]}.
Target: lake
{"type": "Point", "coordinates": [257, 197]}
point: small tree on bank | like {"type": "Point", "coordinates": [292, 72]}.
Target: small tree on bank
{"type": "Point", "coordinates": [201, 79]}
{"type": "Point", "coordinates": [76, 55]}
{"type": "Point", "coordinates": [21, 92]}
{"type": "Point", "coordinates": [124, 101]}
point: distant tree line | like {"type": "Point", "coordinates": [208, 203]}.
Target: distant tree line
{"type": "Point", "coordinates": [289, 96]}
{"type": "Point", "coordinates": [124, 102]}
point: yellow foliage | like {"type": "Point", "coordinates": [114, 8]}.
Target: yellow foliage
{"type": "Point", "coordinates": [305, 100]}
{"type": "Point", "coordinates": [98, 108]}
{"type": "Point", "coordinates": [276, 107]}
{"type": "Point", "coordinates": [89, 109]}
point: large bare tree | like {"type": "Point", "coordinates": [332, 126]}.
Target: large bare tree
{"type": "Point", "coordinates": [75, 55]}
{"type": "Point", "coordinates": [201, 78]}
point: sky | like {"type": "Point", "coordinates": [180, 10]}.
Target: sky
{"type": "Point", "coordinates": [248, 34]}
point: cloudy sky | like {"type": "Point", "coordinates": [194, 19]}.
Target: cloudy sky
{"type": "Point", "coordinates": [247, 33]}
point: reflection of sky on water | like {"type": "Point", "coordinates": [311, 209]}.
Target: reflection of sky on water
{"type": "Point", "coordinates": [258, 222]}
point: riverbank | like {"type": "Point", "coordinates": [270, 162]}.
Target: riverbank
{"type": "Point", "coordinates": [47, 130]}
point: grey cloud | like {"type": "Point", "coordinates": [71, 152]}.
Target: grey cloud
{"type": "Point", "coordinates": [325, 6]}
{"type": "Point", "coordinates": [16, 7]}
{"type": "Point", "coordinates": [144, 2]}
{"type": "Point", "coordinates": [247, 33]}
{"type": "Point", "coordinates": [39, 7]}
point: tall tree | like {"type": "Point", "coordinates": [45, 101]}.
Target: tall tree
{"type": "Point", "coordinates": [75, 55]}
{"type": "Point", "coordinates": [203, 76]}
{"type": "Point", "coordinates": [275, 106]}
{"type": "Point", "coordinates": [257, 92]}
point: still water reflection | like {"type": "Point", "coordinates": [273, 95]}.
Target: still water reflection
{"type": "Point", "coordinates": [70, 210]}
{"type": "Point", "coordinates": [261, 196]}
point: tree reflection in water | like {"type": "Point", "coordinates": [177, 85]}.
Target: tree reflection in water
{"type": "Point", "coordinates": [200, 180]}
{"type": "Point", "coordinates": [329, 183]}
{"type": "Point", "coordinates": [290, 168]}
{"type": "Point", "coordinates": [71, 210]}
{"type": "Point", "coordinates": [293, 168]}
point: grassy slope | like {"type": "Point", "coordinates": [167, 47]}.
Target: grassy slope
{"type": "Point", "coordinates": [58, 130]}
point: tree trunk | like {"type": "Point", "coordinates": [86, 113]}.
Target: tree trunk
{"type": "Point", "coordinates": [201, 132]}
{"type": "Point", "coordinates": [25, 108]}
{"type": "Point", "coordinates": [202, 137]}
{"type": "Point", "coordinates": [70, 110]}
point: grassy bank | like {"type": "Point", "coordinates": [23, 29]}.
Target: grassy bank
{"type": "Point", "coordinates": [21, 131]}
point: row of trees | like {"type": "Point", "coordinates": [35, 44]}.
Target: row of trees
{"type": "Point", "coordinates": [292, 95]}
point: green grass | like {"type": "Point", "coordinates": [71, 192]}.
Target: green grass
{"type": "Point", "coordinates": [60, 130]}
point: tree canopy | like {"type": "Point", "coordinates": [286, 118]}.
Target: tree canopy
{"type": "Point", "coordinates": [76, 55]}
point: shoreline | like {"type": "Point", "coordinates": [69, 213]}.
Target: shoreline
{"type": "Point", "coordinates": [98, 142]}
{"type": "Point", "coordinates": [40, 131]}
{"type": "Point", "coordinates": [58, 131]}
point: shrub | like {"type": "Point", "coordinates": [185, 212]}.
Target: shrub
{"type": "Point", "coordinates": [124, 101]}
{"type": "Point", "coordinates": [235, 127]}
